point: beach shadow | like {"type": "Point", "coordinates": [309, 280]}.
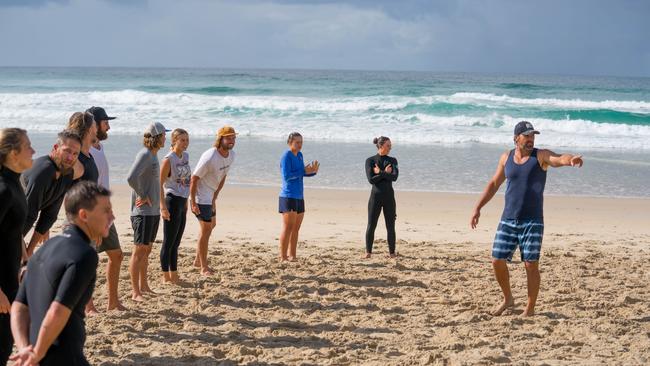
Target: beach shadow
{"type": "Point", "coordinates": [554, 316]}
{"type": "Point", "coordinates": [146, 359]}
{"type": "Point", "coordinates": [220, 300]}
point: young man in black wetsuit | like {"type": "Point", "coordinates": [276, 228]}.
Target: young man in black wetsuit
{"type": "Point", "coordinates": [47, 317]}
{"type": "Point", "coordinates": [45, 185]}
{"type": "Point", "coordinates": [381, 171]}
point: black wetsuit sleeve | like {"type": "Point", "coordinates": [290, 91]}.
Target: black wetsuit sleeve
{"type": "Point", "coordinates": [48, 216]}
{"type": "Point", "coordinates": [370, 174]}
{"type": "Point", "coordinates": [34, 191]}
{"type": "Point", "coordinates": [393, 176]}
{"type": "Point", "coordinates": [5, 197]}
{"type": "Point", "coordinates": [75, 281]}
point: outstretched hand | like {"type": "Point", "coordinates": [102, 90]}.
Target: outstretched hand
{"type": "Point", "coordinates": [312, 168]}
{"type": "Point", "coordinates": [576, 160]}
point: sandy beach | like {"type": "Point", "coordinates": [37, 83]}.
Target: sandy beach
{"type": "Point", "coordinates": [431, 306]}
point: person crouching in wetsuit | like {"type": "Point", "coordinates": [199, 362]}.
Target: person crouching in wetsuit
{"type": "Point", "coordinates": [381, 171]}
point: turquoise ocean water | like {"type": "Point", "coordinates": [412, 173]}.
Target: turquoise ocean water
{"type": "Point", "coordinates": [448, 129]}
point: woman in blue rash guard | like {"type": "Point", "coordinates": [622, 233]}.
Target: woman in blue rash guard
{"type": "Point", "coordinates": [292, 202]}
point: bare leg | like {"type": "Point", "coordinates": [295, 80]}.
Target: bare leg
{"type": "Point", "coordinates": [202, 248]}
{"type": "Point", "coordinates": [293, 243]}
{"type": "Point", "coordinates": [533, 278]}
{"type": "Point", "coordinates": [139, 251]}
{"type": "Point", "coordinates": [288, 221]}
{"type": "Point", "coordinates": [115, 257]}
{"type": "Point", "coordinates": [503, 277]}
{"type": "Point", "coordinates": [144, 269]}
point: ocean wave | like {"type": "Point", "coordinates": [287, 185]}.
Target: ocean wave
{"type": "Point", "coordinates": [496, 101]}
{"type": "Point", "coordinates": [421, 120]}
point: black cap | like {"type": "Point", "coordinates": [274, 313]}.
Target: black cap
{"type": "Point", "coordinates": [525, 128]}
{"type": "Point", "coordinates": [99, 113]}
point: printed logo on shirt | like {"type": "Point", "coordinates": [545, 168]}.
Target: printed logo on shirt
{"type": "Point", "coordinates": [183, 174]}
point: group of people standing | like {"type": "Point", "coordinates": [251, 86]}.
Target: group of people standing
{"type": "Point", "coordinates": [44, 314]}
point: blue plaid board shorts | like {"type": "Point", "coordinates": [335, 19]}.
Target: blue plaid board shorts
{"type": "Point", "coordinates": [525, 234]}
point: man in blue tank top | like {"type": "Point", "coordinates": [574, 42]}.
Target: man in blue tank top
{"type": "Point", "coordinates": [522, 223]}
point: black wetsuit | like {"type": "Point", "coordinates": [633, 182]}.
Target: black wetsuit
{"type": "Point", "coordinates": [63, 270]}
{"type": "Point", "coordinates": [13, 211]}
{"type": "Point", "coordinates": [91, 173]}
{"type": "Point", "coordinates": [382, 196]}
{"type": "Point", "coordinates": [44, 193]}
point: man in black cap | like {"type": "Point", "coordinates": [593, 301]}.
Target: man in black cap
{"type": "Point", "coordinates": [111, 243]}
{"type": "Point", "coordinates": [47, 317]}
{"type": "Point", "coordinates": [522, 222]}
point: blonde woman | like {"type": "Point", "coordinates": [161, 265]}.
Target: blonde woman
{"type": "Point", "coordinates": [175, 174]}
{"type": "Point", "coordinates": [291, 201]}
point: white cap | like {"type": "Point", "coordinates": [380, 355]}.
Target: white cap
{"type": "Point", "coordinates": [156, 129]}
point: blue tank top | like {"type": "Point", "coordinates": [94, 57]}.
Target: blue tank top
{"type": "Point", "coordinates": [524, 189]}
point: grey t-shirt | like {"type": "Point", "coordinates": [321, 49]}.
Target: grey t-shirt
{"type": "Point", "coordinates": [144, 180]}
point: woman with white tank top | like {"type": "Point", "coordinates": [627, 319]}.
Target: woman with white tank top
{"type": "Point", "coordinates": [175, 175]}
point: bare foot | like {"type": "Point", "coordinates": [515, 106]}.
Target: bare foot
{"type": "Point", "coordinates": [137, 297]}
{"type": "Point", "coordinates": [118, 307]}
{"type": "Point", "coordinates": [173, 277]}
{"type": "Point", "coordinates": [206, 272]}
{"type": "Point", "coordinates": [527, 312]}
{"type": "Point", "coordinates": [283, 259]}
{"type": "Point", "coordinates": [197, 262]}
{"type": "Point", "coordinates": [292, 259]}
{"type": "Point", "coordinates": [394, 255]}
{"type": "Point", "coordinates": [91, 312]}
{"type": "Point", "coordinates": [366, 256]}
{"type": "Point", "coordinates": [507, 304]}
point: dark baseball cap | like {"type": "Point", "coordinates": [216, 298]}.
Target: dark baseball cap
{"type": "Point", "coordinates": [99, 113]}
{"type": "Point", "coordinates": [525, 128]}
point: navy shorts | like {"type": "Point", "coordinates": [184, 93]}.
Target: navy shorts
{"type": "Point", "coordinates": [145, 228]}
{"type": "Point", "coordinates": [206, 213]}
{"type": "Point", "coordinates": [291, 205]}
{"type": "Point", "coordinates": [525, 234]}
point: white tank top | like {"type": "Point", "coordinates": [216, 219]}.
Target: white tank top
{"type": "Point", "coordinates": [178, 181]}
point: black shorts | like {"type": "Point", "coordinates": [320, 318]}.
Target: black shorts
{"type": "Point", "coordinates": [145, 228]}
{"type": "Point", "coordinates": [206, 213]}
{"type": "Point", "coordinates": [111, 242]}
{"type": "Point", "coordinates": [291, 204]}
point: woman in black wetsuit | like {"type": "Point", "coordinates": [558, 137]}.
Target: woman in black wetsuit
{"type": "Point", "coordinates": [381, 171]}
{"type": "Point", "coordinates": [15, 157]}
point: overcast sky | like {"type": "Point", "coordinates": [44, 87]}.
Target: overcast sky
{"type": "Point", "coordinates": [592, 37]}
